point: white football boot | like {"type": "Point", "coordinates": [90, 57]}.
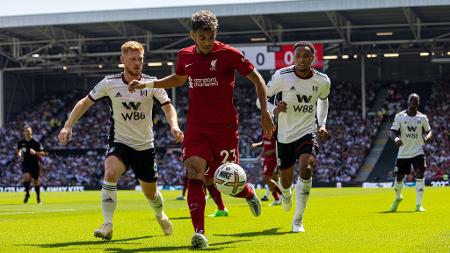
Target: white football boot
{"type": "Point", "coordinates": [104, 232]}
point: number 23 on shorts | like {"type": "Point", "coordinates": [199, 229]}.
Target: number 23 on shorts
{"type": "Point", "coordinates": [228, 155]}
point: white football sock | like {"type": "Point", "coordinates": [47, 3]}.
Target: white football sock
{"type": "Point", "coordinates": [286, 192]}
{"type": "Point", "coordinates": [157, 204]}
{"type": "Point", "coordinates": [420, 188]}
{"type": "Point", "coordinates": [109, 200]}
{"type": "Point", "coordinates": [302, 189]}
{"type": "Point", "coordinates": [398, 186]}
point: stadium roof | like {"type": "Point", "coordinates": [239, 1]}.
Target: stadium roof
{"type": "Point", "coordinates": [80, 35]}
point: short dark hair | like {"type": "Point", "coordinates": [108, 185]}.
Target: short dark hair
{"type": "Point", "coordinates": [413, 95]}
{"type": "Point", "coordinates": [305, 44]}
{"type": "Point", "coordinates": [205, 20]}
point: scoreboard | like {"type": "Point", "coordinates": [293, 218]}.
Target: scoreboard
{"type": "Point", "coordinates": [276, 57]}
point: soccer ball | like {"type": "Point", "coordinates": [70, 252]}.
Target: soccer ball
{"type": "Point", "coordinates": [230, 178]}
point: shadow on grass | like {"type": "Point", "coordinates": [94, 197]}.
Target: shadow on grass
{"type": "Point", "coordinates": [180, 218]}
{"type": "Point", "coordinates": [84, 243]}
{"type": "Point", "coordinates": [272, 231]}
{"type": "Point", "coordinates": [212, 247]}
{"type": "Point", "coordinates": [390, 212]}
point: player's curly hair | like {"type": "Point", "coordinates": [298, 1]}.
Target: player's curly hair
{"type": "Point", "coordinates": [205, 20]}
{"type": "Point", "coordinates": [305, 44]}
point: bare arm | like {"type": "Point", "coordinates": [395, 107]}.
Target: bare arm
{"type": "Point", "coordinates": [395, 137]}
{"type": "Point", "coordinates": [257, 145]}
{"type": "Point", "coordinates": [80, 108]}
{"type": "Point", "coordinates": [172, 119]}
{"type": "Point", "coordinates": [322, 113]}
{"type": "Point", "coordinates": [171, 81]}
{"type": "Point", "coordinates": [429, 137]}
{"type": "Point", "coordinates": [38, 153]}
{"type": "Point", "coordinates": [266, 119]}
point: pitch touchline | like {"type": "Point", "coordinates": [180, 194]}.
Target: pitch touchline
{"type": "Point", "coordinates": [39, 211]}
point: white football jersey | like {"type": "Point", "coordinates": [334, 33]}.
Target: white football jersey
{"type": "Point", "coordinates": [131, 113]}
{"type": "Point", "coordinates": [411, 130]}
{"type": "Point", "coordinates": [301, 97]}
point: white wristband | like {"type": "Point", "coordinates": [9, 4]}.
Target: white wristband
{"type": "Point", "coordinates": [150, 84]}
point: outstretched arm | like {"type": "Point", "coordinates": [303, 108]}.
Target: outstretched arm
{"type": "Point", "coordinates": [266, 120]}
{"type": "Point", "coordinates": [80, 108]}
{"type": "Point", "coordinates": [171, 81]}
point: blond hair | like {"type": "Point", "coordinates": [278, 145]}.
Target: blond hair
{"type": "Point", "coordinates": [131, 46]}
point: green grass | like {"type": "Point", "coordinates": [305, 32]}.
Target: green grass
{"type": "Point", "coordinates": [336, 220]}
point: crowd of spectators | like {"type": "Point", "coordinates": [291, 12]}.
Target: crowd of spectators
{"type": "Point", "coordinates": [339, 159]}
{"type": "Point", "coordinates": [438, 152]}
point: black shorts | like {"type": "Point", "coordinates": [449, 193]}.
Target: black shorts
{"type": "Point", "coordinates": [288, 153]}
{"type": "Point", "coordinates": [143, 163]}
{"type": "Point", "coordinates": [403, 165]}
{"type": "Point", "coordinates": [33, 169]}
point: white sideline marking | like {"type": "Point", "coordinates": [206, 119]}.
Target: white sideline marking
{"type": "Point", "coordinates": [40, 211]}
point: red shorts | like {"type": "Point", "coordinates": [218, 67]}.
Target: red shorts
{"type": "Point", "coordinates": [270, 164]}
{"type": "Point", "coordinates": [216, 146]}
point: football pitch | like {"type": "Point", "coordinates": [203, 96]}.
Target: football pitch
{"type": "Point", "coordinates": [336, 220]}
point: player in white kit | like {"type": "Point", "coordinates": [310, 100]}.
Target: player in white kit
{"type": "Point", "coordinates": [130, 140]}
{"type": "Point", "coordinates": [303, 111]}
{"type": "Point", "coordinates": [410, 131]}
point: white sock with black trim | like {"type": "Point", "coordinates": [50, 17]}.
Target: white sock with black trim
{"type": "Point", "coordinates": [109, 200]}
{"type": "Point", "coordinates": [302, 189]}
{"type": "Point", "coordinates": [398, 189]}
{"type": "Point", "coordinates": [420, 188]}
{"type": "Point", "coordinates": [157, 204]}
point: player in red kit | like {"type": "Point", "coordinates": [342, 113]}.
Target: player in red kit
{"type": "Point", "coordinates": [270, 165]}
{"type": "Point", "coordinates": [211, 136]}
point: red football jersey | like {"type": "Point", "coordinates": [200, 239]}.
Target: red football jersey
{"type": "Point", "coordinates": [211, 84]}
{"type": "Point", "coordinates": [269, 144]}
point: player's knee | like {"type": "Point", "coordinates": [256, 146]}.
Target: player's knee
{"type": "Point", "coordinates": [151, 195]}
{"type": "Point", "coordinates": [194, 173]}
{"type": "Point", "coordinates": [419, 173]}
{"type": "Point", "coordinates": [111, 175]}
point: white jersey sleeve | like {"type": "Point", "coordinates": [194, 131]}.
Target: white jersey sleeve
{"type": "Point", "coordinates": [275, 84]}
{"type": "Point", "coordinates": [161, 96]}
{"type": "Point", "coordinates": [325, 91]}
{"type": "Point", "coordinates": [396, 124]}
{"type": "Point", "coordinates": [426, 124]}
{"type": "Point", "coordinates": [99, 90]}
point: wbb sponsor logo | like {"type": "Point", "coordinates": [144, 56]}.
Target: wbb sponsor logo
{"type": "Point", "coordinates": [306, 106]}
{"type": "Point", "coordinates": [412, 132]}
{"type": "Point", "coordinates": [135, 114]}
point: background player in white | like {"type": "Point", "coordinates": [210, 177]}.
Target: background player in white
{"type": "Point", "coordinates": [303, 111]}
{"type": "Point", "coordinates": [130, 142]}
{"type": "Point", "coordinates": [410, 131]}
